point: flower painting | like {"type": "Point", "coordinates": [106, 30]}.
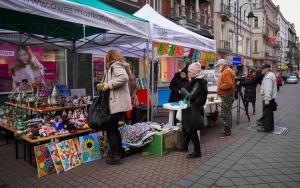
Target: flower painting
{"type": "Point", "coordinates": [90, 149]}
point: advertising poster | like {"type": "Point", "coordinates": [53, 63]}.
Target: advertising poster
{"type": "Point", "coordinates": [22, 65]}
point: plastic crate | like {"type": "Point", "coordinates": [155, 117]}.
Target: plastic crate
{"type": "Point", "coordinates": [163, 96]}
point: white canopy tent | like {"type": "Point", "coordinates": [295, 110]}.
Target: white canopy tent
{"type": "Point", "coordinates": [161, 30]}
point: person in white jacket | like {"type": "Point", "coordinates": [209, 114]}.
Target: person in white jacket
{"type": "Point", "coordinates": [268, 93]}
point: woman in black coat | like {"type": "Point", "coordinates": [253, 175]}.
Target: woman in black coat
{"type": "Point", "coordinates": [250, 91]}
{"type": "Point", "coordinates": [179, 80]}
{"type": "Point", "coordinates": [196, 92]}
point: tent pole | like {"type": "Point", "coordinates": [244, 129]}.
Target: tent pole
{"type": "Point", "coordinates": [152, 77]}
{"type": "Point", "coordinates": [74, 64]}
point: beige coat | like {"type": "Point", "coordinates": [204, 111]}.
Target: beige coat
{"type": "Point", "coordinates": [117, 79]}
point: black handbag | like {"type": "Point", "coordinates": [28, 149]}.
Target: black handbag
{"type": "Point", "coordinates": [99, 112]}
{"type": "Point", "coordinates": [192, 119]}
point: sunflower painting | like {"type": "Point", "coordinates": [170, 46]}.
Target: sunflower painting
{"type": "Point", "coordinates": [90, 149]}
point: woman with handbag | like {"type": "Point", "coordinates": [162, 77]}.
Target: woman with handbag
{"type": "Point", "coordinates": [116, 81]}
{"type": "Point", "coordinates": [192, 117]}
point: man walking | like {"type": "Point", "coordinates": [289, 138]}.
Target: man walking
{"type": "Point", "coordinates": [226, 90]}
{"type": "Point", "coordinates": [268, 93]}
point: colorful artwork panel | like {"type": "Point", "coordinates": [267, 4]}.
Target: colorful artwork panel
{"type": "Point", "coordinates": [104, 147]}
{"type": "Point", "coordinates": [68, 154]}
{"type": "Point", "coordinates": [55, 158]}
{"type": "Point", "coordinates": [77, 146]}
{"type": "Point", "coordinates": [43, 159]}
{"type": "Point", "coordinates": [90, 149]}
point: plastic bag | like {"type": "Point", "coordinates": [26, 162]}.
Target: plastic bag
{"type": "Point", "coordinates": [182, 105]}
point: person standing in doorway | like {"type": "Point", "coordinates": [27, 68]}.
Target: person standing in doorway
{"type": "Point", "coordinates": [116, 81]}
{"type": "Point", "coordinates": [268, 92]}
{"type": "Point", "coordinates": [226, 90]}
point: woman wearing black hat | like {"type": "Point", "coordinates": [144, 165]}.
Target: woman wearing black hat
{"type": "Point", "coordinates": [179, 80]}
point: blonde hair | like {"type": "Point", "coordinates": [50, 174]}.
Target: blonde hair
{"type": "Point", "coordinates": [113, 56]}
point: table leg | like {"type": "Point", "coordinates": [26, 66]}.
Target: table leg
{"type": "Point", "coordinates": [17, 148]}
{"type": "Point", "coordinates": [30, 154]}
{"type": "Point", "coordinates": [171, 117]}
{"type": "Point", "coordinates": [25, 154]}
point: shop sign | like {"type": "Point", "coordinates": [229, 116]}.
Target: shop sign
{"type": "Point", "coordinates": [283, 67]}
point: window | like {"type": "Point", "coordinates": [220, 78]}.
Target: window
{"type": "Point", "coordinates": [247, 46]}
{"type": "Point", "coordinates": [255, 45]}
{"type": "Point", "coordinates": [256, 22]}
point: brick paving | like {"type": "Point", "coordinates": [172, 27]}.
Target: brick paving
{"type": "Point", "coordinates": [246, 159]}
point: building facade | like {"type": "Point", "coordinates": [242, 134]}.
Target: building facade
{"type": "Point", "coordinates": [233, 32]}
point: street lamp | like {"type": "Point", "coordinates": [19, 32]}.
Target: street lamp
{"type": "Point", "coordinates": [237, 21]}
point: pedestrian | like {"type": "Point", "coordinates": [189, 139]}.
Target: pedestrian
{"type": "Point", "coordinates": [278, 81]}
{"type": "Point", "coordinates": [226, 90]}
{"type": "Point", "coordinates": [178, 81]}
{"type": "Point", "coordinates": [250, 91]}
{"type": "Point", "coordinates": [257, 79]}
{"type": "Point", "coordinates": [116, 81]}
{"type": "Point", "coordinates": [196, 93]}
{"type": "Point", "coordinates": [268, 93]}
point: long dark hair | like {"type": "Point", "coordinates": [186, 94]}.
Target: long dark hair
{"type": "Point", "coordinates": [31, 61]}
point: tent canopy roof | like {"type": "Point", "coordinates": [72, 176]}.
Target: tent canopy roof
{"type": "Point", "coordinates": [71, 20]}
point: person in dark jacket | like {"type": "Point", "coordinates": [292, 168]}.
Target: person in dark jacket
{"type": "Point", "coordinates": [250, 91]}
{"type": "Point", "coordinates": [179, 80]}
{"type": "Point", "coordinates": [257, 79]}
{"type": "Point", "coordinates": [196, 92]}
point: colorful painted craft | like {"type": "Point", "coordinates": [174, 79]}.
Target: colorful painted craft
{"type": "Point", "coordinates": [77, 146]}
{"type": "Point", "coordinates": [55, 157]}
{"type": "Point", "coordinates": [43, 159]}
{"type": "Point", "coordinates": [68, 154]}
{"type": "Point", "coordinates": [104, 147]}
{"type": "Point", "coordinates": [90, 149]}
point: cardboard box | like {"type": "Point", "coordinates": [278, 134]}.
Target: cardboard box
{"type": "Point", "coordinates": [162, 143]}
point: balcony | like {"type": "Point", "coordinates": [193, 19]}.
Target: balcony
{"type": "Point", "coordinates": [265, 32]}
{"type": "Point", "coordinates": [204, 1]}
{"type": "Point", "coordinates": [258, 6]}
{"type": "Point", "coordinates": [223, 46]}
{"type": "Point", "coordinates": [225, 12]}
{"type": "Point", "coordinates": [276, 28]}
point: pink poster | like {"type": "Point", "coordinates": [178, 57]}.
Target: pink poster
{"type": "Point", "coordinates": [171, 64]}
{"type": "Point", "coordinates": [20, 66]}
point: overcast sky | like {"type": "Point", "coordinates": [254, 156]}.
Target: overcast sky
{"type": "Point", "coordinates": [291, 12]}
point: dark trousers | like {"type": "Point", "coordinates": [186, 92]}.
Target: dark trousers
{"type": "Point", "coordinates": [113, 134]}
{"type": "Point", "coordinates": [187, 136]}
{"type": "Point", "coordinates": [268, 116]}
{"type": "Point", "coordinates": [247, 105]}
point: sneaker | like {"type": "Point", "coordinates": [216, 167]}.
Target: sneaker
{"type": "Point", "coordinates": [194, 155]}
{"type": "Point", "coordinates": [224, 135]}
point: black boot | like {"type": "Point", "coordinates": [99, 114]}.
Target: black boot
{"type": "Point", "coordinates": [254, 112]}
{"type": "Point", "coordinates": [194, 155]}
{"type": "Point", "coordinates": [113, 160]}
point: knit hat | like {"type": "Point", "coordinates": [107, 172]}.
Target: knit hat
{"type": "Point", "coordinates": [195, 68]}
{"type": "Point", "coordinates": [185, 70]}
{"type": "Point", "coordinates": [221, 61]}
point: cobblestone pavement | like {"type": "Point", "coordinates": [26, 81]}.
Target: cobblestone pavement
{"type": "Point", "coordinates": [246, 159]}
